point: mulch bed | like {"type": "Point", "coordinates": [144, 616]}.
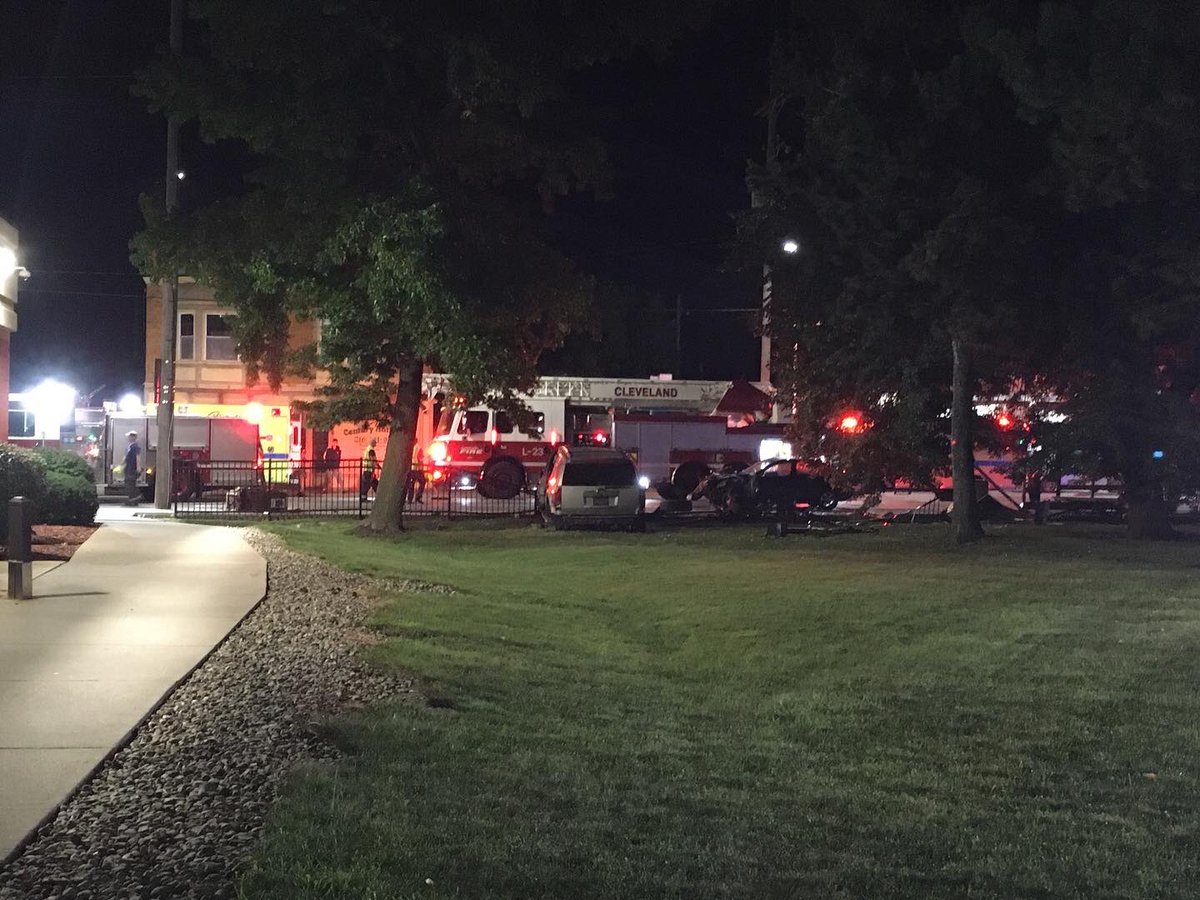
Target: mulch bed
{"type": "Point", "coordinates": [58, 541]}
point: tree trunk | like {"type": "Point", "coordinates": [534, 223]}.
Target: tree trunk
{"type": "Point", "coordinates": [387, 514]}
{"type": "Point", "coordinates": [1147, 511]}
{"type": "Point", "coordinates": [965, 517]}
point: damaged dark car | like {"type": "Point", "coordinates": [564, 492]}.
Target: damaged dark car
{"type": "Point", "coordinates": [774, 487]}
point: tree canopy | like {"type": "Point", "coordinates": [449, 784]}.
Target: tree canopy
{"type": "Point", "coordinates": [402, 154]}
{"type": "Point", "coordinates": [986, 192]}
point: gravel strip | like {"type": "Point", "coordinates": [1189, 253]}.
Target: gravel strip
{"type": "Point", "coordinates": [176, 813]}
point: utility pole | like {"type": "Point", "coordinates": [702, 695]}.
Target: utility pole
{"type": "Point", "coordinates": [679, 335]}
{"type": "Point", "coordinates": [774, 103]}
{"type": "Point", "coordinates": [170, 302]}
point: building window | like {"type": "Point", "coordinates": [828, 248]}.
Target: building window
{"type": "Point", "coordinates": [187, 336]}
{"type": "Point", "coordinates": [218, 337]}
{"type": "Point", "coordinates": [20, 424]}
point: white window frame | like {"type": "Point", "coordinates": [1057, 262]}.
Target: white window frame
{"type": "Point", "coordinates": [200, 336]}
{"type": "Point", "coordinates": [179, 336]}
{"type": "Point", "coordinates": [223, 313]}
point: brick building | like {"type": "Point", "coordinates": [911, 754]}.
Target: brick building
{"type": "Point", "coordinates": [210, 380]}
{"type": "Point", "coordinates": [9, 282]}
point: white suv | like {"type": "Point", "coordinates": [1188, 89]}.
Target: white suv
{"type": "Point", "coordinates": [591, 485]}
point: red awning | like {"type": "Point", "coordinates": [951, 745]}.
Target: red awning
{"type": "Point", "coordinates": [743, 397]}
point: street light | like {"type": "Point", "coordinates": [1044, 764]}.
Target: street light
{"type": "Point", "coordinates": [8, 264]}
{"type": "Point", "coordinates": [791, 247]}
{"type": "Point", "coordinates": [52, 404]}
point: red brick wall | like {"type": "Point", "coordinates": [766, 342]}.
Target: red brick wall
{"type": "Point", "coordinates": [4, 383]}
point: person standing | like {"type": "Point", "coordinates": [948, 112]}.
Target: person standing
{"type": "Point", "coordinates": [370, 471]}
{"type": "Point", "coordinates": [331, 461]}
{"type": "Point", "coordinates": [133, 452]}
{"type": "Point", "coordinates": [414, 491]}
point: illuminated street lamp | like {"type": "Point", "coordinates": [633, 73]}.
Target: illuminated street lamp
{"type": "Point", "coordinates": [130, 403]}
{"type": "Point", "coordinates": [53, 405]}
{"type": "Point", "coordinates": [791, 246]}
{"type": "Point", "coordinates": [8, 264]}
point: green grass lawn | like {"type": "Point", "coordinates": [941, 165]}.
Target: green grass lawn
{"type": "Point", "coordinates": [713, 713]}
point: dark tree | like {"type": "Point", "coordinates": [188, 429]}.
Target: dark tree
{"type": "Point", "coordinates": [403, 153]}
{"type": "Point", "coordinates": [909, 180]}
{"type": "Point", "coordinates": [1116, 85]}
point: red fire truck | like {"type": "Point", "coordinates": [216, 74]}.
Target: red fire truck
{"type": "Point", "coordinates": [665, 424]}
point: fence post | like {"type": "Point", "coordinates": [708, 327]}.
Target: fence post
{"type": "Point", "coordinates": [20, 546]}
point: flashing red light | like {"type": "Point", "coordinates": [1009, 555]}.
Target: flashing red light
{"type": "Point", "coordinates": [253, 413]}
{"type": "Point", "coordinates": [849, 423]}
{"type": "Point", "coordinates": [600, 438]}
{"type": "Point", "coordinates": [1004, 420]}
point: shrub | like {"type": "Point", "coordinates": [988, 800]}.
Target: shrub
{"type": "Point", "coordinates": [22, 474]}
{"type": "Point", "coordinates": [65, 462]}
{"type": "Point", "coordinates": [69, 501]}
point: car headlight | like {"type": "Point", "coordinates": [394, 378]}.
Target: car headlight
{"type": "Point", "coordinates": [643, 481]}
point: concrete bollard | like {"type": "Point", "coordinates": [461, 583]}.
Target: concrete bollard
{"type": "Point", "coordinates": [20, 549]}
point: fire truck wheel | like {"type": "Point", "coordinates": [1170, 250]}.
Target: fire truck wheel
{"type": "Point", "coordinates": [502, 481]}
{"type": "Point", "coordinates": [688, 476]}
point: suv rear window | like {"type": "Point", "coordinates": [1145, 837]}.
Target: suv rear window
{"type": "Point", "coordinates": [615, 473]}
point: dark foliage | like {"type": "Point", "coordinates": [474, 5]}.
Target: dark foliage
{"type": "Point", "coordinates": [65, 462]}
{"type": "Point", "coordinates": [22, 474]}
{"type": "Point", "coordinates": [69, 500]}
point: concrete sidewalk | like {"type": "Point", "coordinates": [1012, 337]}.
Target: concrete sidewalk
{"type": "Point", "coordinates": [104, 639]}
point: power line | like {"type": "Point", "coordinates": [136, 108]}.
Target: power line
{"type": "Point", "coordinates": [67, 77]}
{"type": "Point", "coordinates": [24, 291]}
{"type": "Point", "coordinates": [128, 274]}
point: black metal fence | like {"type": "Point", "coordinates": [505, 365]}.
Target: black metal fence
{"type": "Point", "coordinates": [281, 488]}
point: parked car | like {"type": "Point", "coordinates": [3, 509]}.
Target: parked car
{"type": "Point", "coordinates": [773, 487]}
{"type": "Point", "coordinates": [591, 485]}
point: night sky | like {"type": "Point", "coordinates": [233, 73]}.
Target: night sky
{"type": "Point", "coordinates": [76, 150]}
